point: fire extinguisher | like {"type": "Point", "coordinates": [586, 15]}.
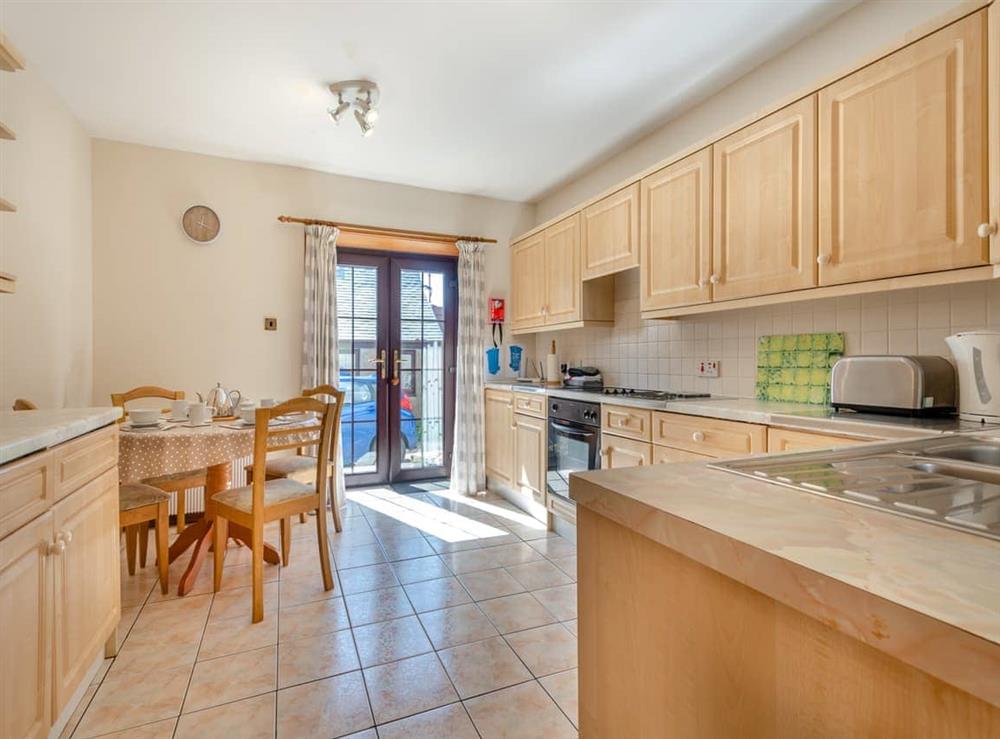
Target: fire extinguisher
{"type": "Point", "coordinates": [496, 306]}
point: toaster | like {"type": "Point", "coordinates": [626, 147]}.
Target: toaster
{"type": "Point", "coordinates": [896, 384]}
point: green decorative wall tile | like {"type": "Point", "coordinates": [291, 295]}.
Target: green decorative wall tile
{"type": "Point", "coordinates": [796, 367]}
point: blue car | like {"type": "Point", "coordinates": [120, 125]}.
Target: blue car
{"type": "Point", "coordinates": [359, 416]}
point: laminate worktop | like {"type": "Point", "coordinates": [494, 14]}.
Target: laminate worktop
{"type": "Point", "coordinates": [25, 432]}
{"type": "Point", "coordinates": [926, 595]}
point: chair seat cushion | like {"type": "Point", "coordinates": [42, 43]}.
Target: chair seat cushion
{"type": "Point", "coordinates": [197, 477]}
{"type": "Point", "coordinates": [292, 466]}
{"type": "Point", "coordinates": [275, 492]}
{"type": "Point", "coordinates": [136, 495]}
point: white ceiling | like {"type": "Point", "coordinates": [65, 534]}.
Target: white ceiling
{"type": "Point", "coordinates": [504, 99]}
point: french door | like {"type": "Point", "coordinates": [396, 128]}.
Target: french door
{"type": "Point", "coordinates": [396, 325]}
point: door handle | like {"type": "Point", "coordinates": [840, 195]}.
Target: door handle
{"type": "Point", "coordinates": [380, 361]}
{"type": "Point", "coordinates": [395, 366]}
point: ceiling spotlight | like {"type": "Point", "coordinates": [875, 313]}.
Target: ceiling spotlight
{"type": "Point", "coordinates": [366, 127]}
{"type": "Point", "coordinates": [363, 96]}
{"type": "Point", "coordinates": [337, 113]}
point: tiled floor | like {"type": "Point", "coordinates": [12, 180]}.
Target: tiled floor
{"type": "Point", "coordinates": [452, 617]}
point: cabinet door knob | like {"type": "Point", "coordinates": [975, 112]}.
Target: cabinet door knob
{"type": "Point", "coordinates": [714, 279]}
{"type": "Point", "coordinates": [65, 536]}
{"type": "Point", "coordinates": [823, 259]}
{"type": "Point", "coordinates": [56, 547]}
{"type": "Point", "coordinates": [698, 436]}
{"type": "Point", "coordinates": [986, 230]}
{"type": "Point", "coordinates": [701, 282]}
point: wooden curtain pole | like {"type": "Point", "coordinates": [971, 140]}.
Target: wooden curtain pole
{"type": "Point", "coordinates": [377, 230]}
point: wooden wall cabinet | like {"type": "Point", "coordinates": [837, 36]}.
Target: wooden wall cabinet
{"type": "Point", "coordinates": [59, 584]}
{"type": "Point", "coordinates": [676, 234]}
{"type": "Point", "coordinates": [499, 414]}
{"type": "Point", "coordinates": [610, 234]}
{"type": "Point", "coordinates": [530, 456]}
{"type": "Point", "coordinates": [903, 161]}
{"type": "Point", "coordinates": [547, 288]}
{"type": "Point", "coordinates": [764, 205]}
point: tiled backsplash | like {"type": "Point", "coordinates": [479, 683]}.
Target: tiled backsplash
{"type": "Point", "coordinates": [664, 354]}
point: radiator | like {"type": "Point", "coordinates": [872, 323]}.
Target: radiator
{"type": "Point", "coordinates": [195, 500]}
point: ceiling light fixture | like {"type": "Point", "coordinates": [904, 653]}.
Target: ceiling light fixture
{"type": "Point", "coordinates": [363, 96]}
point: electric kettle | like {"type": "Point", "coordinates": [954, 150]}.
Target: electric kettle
{"type": "Point", "coordinates": [977, 354]}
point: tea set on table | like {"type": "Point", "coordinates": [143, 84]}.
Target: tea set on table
{"type": "Point", "coordinates": [219, 404]}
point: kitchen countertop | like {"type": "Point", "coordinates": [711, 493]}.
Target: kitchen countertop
{"type": "Point", "coordinates": [24, 432]}
{"type": "Point", "coordinates": [800, 416]}
{"type": "Point", "coordinates": [925, 594]}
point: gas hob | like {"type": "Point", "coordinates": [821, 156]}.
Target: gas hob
{"type": "Point", "coordinates": [627, 392]}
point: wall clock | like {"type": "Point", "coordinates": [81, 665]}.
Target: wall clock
{"type": "Point", "coordinates": [201, 224]}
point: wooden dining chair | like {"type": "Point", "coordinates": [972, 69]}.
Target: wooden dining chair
{"type": "Point", "coordinates": [302, 467]}
{"type": "Point", "coordinates": [20, 404]}
{"type": "Point", "coordinates": [138, 504]}
{"type": "Point", "coordinates": [177, 483]}
{"type": "Point", "coordinates": [263, 501]}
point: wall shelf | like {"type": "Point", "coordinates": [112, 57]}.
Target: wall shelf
{"type": "Point", "coordinates": [7, 207]}
{"type": "Point", "coordinates": [10, 58]}
{"type": "Point", "coordinates": [6, 132]}
{"type": "Point", "coordinates": [8, 283]}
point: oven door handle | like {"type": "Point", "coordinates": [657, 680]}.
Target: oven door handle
{"type": "Point", "coordinates": [570, 431]}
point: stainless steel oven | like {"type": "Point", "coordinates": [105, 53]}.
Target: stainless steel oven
{"type": "Point", "coordinates": [574, 442]}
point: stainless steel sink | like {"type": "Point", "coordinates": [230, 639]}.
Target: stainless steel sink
{"type": "Point", "coordinates": [952, 482]}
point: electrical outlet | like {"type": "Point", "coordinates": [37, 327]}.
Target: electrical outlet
{"type": "Point", "coordinates": [708, 368]}
{"type": "Point", "coordinates": [270, 324]}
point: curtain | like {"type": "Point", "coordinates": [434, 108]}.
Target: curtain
{"type": "Point", "coordinates": [468, 461]}
{"type": "Point", "coordinates": [319, 335]}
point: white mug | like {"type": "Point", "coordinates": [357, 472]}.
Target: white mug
{"type": "Point", "coordinates": [248, 413]}
{"type": "Point", "coordinates": [198, 414]}
{"type": "Point", "coordinates": [178, 409]}
{"type": "Point", "coordinates": [267, 402]}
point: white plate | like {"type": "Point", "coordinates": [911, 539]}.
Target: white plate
{"type": "Point", "coordinates": [190, 425]}
{"type": "Point", "coordinates": [127, 426]}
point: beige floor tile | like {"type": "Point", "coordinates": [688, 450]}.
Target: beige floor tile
{"type": "Point", "coordinates": [183, 613]}
{"type": "Point", "coordinates": [489, 558]}
{"type": "Point", "coordinates": [373, 577]}
{"type": "Point", "coordinates": [239, 634]}
{"type": "Point", "coordinates": [546, 649]}
{"type": "Point", "coordinates": [516, 612]}
{"type": "Point", "coordinates": [554, 547]}
{"type": "Point", "coordinates": [313, 619]}
{"type": "Point", "coordinates": [540, 574]}
{"type": "Point", "coordinates": [128, 617]}
{"type": "Point", "coordinates": [232, 678]}
{"type": "Point", "coordinates": [431, 595]}
{"type": "Point", "coordinates": [240, 576]}
{"type": "Point", "coordinates": [239, 602]}
{"type": "Point", "coordinates": [490, 584]}
{"type": "Point", "coordinates": [449, 627]}
{"type": "Point", "coordinates": [333, 706]}
{"type": "Point", "coordinates": [561, 601]}
{"type": "Point", "coordinates": [447, 722]}
{"type": "Point", "coordinates": [388, 641]}
{"type": "Point", "coordinates": [563, 687]}
{"type": "Point", "coordinates": [423, 568]}
{"type": "Point", "coordinates": [352, 536]}
{"type": "Point", "coordinates": [444, 547]}
{"type": "Point", "coordinates": [135, 589]}
{"type": "Point", "coordinates": [571, 625]}
{"type": "Point", "coordinates": [406, 549]}
{"type": "Point", "coordinates": [251, 718]}
{"type": "Point", "coordinates": [305, 589]}
{"type": "Point", "coordinates": [377, 605]}
{"type": "Point", "coordinates": [360, 556]}
{"type": "Point", "coordinates": [366, 734]}
{"type": "Point", "coordinates": [74, 719]}
{"type": "Point", "coordinates": [523, 711]}
{"type": "Point", "coordinates": [156, 730]}
{"type": "Point", "coordinates": [136, 655]}
{"type": "Point", "coordinates": [122, 701]}
{"type": "Point", "coordinates": [409, 686]}
{"type": "Point", "coordinates": [303, 660]}
{"type": "Point", "coordinates": [483, 666]}
{"type": "Point", "coordinates": [567, 565]}
{"type": "Point", "coordinates": [304, 563]}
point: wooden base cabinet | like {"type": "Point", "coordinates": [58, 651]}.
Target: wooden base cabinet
{"type": "Point", "coordinates": [500, 437]}
{"type": "Point", "coordinates": [530, 456]}
{"type": "Point", "coordinates": [59, 585]}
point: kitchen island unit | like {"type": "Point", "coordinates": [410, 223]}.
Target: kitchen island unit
{"type": "Point", "coordinates": [713, 605]}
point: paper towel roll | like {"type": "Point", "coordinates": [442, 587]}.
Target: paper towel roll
{"type": "Point", "coordinates": [552, 375]}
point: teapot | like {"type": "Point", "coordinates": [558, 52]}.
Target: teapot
{"type": "Point", "coordinates": [220, 401]}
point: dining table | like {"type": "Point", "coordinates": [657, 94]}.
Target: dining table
{"type": "Point", "coordinates": [178, 447]}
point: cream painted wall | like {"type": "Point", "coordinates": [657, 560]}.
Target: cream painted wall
{"type": "Point", "coordinates": [46, 327]}
{"type": "Point", "coordinates": [833, 49]}
{"type": "Point", "coordinates": [169, 312]}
